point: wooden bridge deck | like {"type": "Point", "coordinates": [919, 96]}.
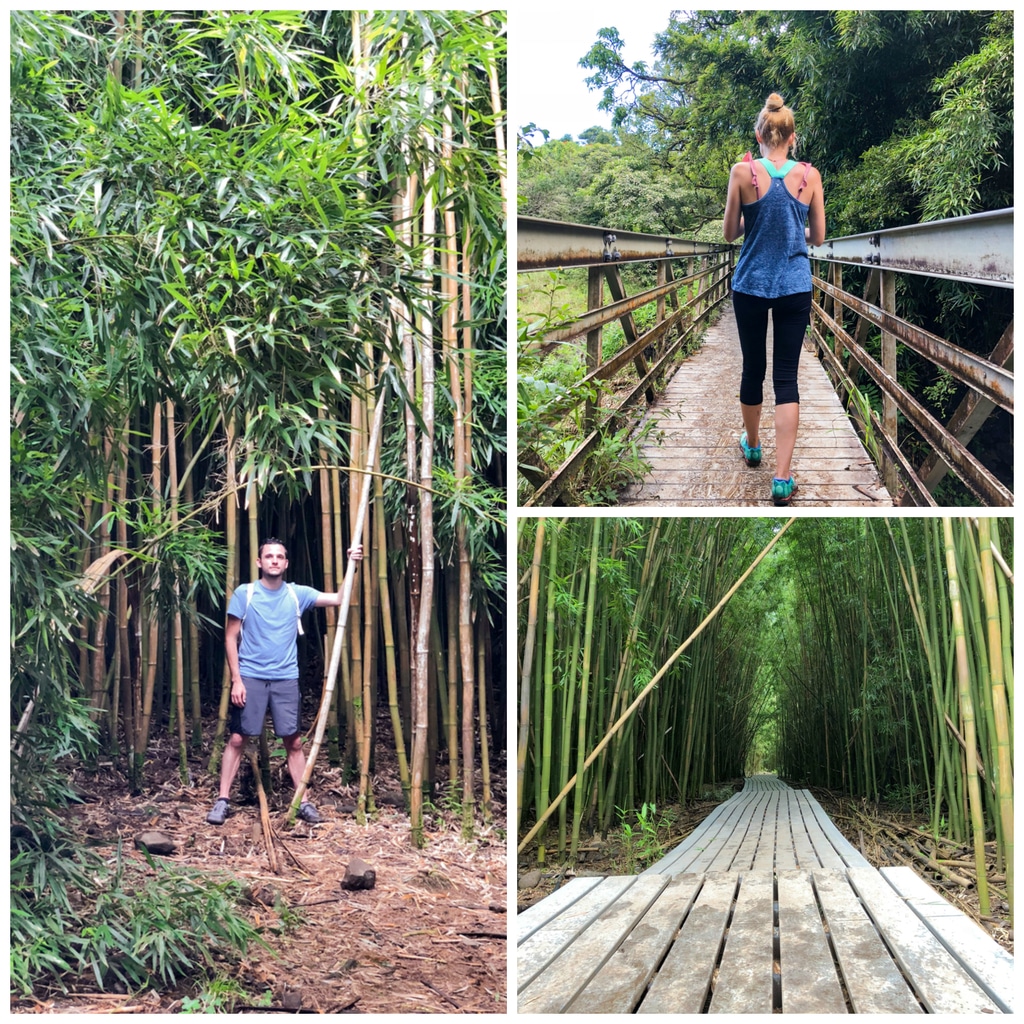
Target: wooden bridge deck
{"type": "Point", "coordinates": [697, 460]}
{"type": "Point", "coordinates": [765, 908]}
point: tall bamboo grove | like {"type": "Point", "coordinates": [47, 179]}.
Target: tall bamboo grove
{"type": "Point", "coordinates": [870, 656]}
{"type": "Point", "coordinates": [236, 236]}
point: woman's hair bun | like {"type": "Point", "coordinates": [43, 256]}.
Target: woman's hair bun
{"type": "Point", "coordinates": [774, 102]}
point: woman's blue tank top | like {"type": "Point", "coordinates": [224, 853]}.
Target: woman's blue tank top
{"type": "Point", "coordinates": [773, 261]}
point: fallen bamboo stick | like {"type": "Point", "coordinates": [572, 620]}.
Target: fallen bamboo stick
{"type": "Point", "coordinates": [268, 832]}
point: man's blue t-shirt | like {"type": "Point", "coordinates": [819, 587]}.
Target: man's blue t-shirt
{"type": "Point", "coordinates": [267, 648]}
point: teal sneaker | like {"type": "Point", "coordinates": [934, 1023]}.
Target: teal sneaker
{"type": "Point", "coordinates": [783, 490]}
{"type": "Point", "coordinates": [752, 455]}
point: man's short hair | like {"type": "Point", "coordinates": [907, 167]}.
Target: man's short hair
{"type": "Point", "coordinates": [271, 540]}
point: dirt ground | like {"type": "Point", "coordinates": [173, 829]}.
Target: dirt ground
{"type": "Point", "coordinates": [878, 832]}
{"type": "Point", "coordinates": [430, 937]}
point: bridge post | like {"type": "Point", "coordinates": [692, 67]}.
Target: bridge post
{"type": "Point", "coordinates": [887, 300]}
{"type": "Point", "coordinates": [595, 300]}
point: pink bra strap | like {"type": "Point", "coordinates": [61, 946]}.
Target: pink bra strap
{"type": "Point", "coordinates": [753, 175]}
{"type": "Point", "coordinates": [803, 184]}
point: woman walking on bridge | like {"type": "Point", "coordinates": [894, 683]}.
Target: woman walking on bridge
{"type": "Point", "coordinates": [777, 203]}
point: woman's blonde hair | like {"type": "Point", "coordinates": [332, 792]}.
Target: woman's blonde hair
{"type": "Point", "coordinates": [775, 122]}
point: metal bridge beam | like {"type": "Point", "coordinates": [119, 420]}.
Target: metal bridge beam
{"type": "Point", "coordinates": [977, 249]}
{"type": "Point", "coordinates": [549, 244]}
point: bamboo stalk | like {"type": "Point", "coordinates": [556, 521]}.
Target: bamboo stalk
{"type": "Point", "coordinates": [1004, 763]}
{"type": "Point", "coordinates": [967, 714]}
{"type": "Point", "coordinates": [527, 670]}
{"type": "Point", "coordinates": [179, 646]}
{"type": "Point", "coordinates": [655, 679]}
{"type": "Point", "coordinates": [346, 597]}
{"type": "Point", "coordinates": [268, 831]}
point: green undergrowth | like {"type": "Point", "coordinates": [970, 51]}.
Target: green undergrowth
{"type": "Point", "coordinates": [78, 918]}
{"type": "Point", "coordinates": [551, 397]}
{"type": "Point", "coordinates": [641, 837]}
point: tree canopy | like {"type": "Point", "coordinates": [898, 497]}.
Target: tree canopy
{"type": "Point", "coordinates": [908, 115]}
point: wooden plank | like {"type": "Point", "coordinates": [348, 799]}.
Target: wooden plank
{"type": "Point", "coordinates": [704, 842]}
{"type": "Point", "coordinates": [744, 982]}
{"type": "Point", "coordinates": [569, 972]}
{"type": "Point", "coordinates": [849, 855]}
{"type": "Point", "coordinates": [724, 858]}
{"type": "Point", "coordinates": [785, 853]}
{"type": "Point", "coordinates": [693, 451]}
{"type": "Point", "coordinates": [825, 851]}
{"type": "Point", "coordinates": [552, 905]}
{"type": "Point", "coordinates": [806, 855]}
{"type": "Point", "coordinates": [744, 859]}
{"type": "Point", "coordinates": [809, 981]}
{"type": "Point", "coordinates": [676, 860]}
{"type": "Point", "coordinates": [544, 945]}
{"type": "Point", "coordinates": [978, 953]}
{"type": "Point", "coordinates": [620, 983]}
{"type": "Point", "coordinates": [764, 857]}
{"type": "Point", "coordinates": [682, 983]}
{"type": "Point", "coordinates": [938, 979]}
{"type": "Point", "coordinates": [874, 983]}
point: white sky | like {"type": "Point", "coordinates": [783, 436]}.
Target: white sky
{"type": "Point", "coordinates": [546, 83]}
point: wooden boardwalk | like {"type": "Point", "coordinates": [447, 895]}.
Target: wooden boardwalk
{"type": "Point", "coordinates": [694, 450]}
{"type": "Point", "coordinates": [764, 908]}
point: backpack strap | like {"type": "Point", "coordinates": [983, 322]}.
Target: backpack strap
{"type": "Point", "coordinates": [295, 598]}
{"type": "Point", "coordinates": [298, 610]}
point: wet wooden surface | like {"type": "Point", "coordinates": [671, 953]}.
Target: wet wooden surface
{"type": "Point", "coordinates": [764, 908]}
{"type": "Point", "coordinates": [694, 449]}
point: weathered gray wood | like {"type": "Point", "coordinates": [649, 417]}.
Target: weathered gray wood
{"type": "Point", "coordinates": [849, 854]}
{"type": "Point", "coordinates": [694, 453]}
{"type": "Point", "coordinates": [620, 983]}
{"type": "Point", "coordinates": [873, 981]}
{"type": "Point", "coordinates": [939, 981]}
{"type": "Point", "coordinates": [744, 982]}
{"type": "Point", "coordinates": [825, 851]}
{"type": "Point", "coordinates": [707, 839]}
{"type": "Point", "coordinates": [744, 859]}
{"type": "Point", "coordinates": [596, 945]}
{"type": "Point", "coordinates": [809, 982]}
{"type": "Point", "coordinates": [544, 945]}
{"type": "Point", "coordinates": [551, 906]}
{"type": "Point", "coordinates": [764, 858]}
{"type": "Point", "coordinates": [565, 976]}
{"type": "Point", "coordinates": [723, 859]}
{"type": "Point", "coordinates": [682, 983]}
{"type": "Point", "coordinates": [985, 960]}
{"type": "Point", "coordinates": [806, 855]}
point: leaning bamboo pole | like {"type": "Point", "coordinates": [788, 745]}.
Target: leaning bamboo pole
{"type": "Point", "coordinates": [655, 679]}
{"type": "Point", "coordinates": [230, 577]}
{"type": "Point", "coordinates": [178, 639]}
{"type": "Point", "coordinates": [346, 599]}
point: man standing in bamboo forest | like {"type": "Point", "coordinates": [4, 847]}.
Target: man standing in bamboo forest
{"type": "Point", "coordinates": [264, 619]}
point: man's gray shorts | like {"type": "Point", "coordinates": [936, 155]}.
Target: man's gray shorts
{"type": "Point", "coordinates": [283, 697]}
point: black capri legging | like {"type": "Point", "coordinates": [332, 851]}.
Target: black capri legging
{"type": "Point", "coordinates": [790, 316]}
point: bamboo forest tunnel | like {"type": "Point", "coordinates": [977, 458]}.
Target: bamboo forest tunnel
{"type": "Point", "coordinates": [868, 656]}
{"type": "Point", "coordinates": [680, 285]}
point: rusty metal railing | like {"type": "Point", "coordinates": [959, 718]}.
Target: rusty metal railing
{"type": "Point", "coordinates": [977, 250]}
{"type": "Point", "coordinates": [706, 271]}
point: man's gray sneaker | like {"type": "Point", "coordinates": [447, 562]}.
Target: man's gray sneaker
{"type": "Point", "coordinates": [220, 811]}
{"type": "Point", "coordinates": [307, 812]}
